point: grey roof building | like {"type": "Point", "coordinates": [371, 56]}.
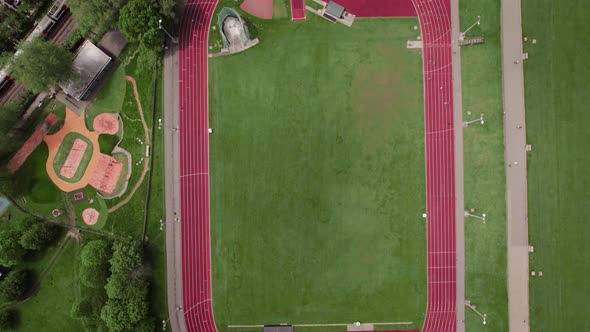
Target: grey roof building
{"type": "Point", "coordinates": [335, 10]}
{"type": "Point", "coordinates": [90, 62]}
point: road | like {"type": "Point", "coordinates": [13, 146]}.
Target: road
{"type": "Point", "coordinates": [459, 170]}
{"type": "Point", "coordinates": [516, 166]}
{"type": "Point", "coordinates": [172, 176]}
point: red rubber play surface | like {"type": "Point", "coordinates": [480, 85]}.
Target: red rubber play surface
{"type": "Point", "coordinates": [435, 21]}
{"type": "Point", "coordinates": [434, 16]}
{"type": "Point", "coordinates": [258, 8]}
{"type": "Point", "coordinates": [379, 8]}
{"type": "Point", "coordinates": [297, 10]}
{"type": "Point", "coordinates": [194, 165]}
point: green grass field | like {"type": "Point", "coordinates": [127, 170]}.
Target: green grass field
{"type": "Point", "coordinates": [49, 309]}
{"type": "Point", "coordinates": [485, 244]}
{"type": "Point", "coordinates": [317, 176]}
{"type": "Point", "coordinates": [557, 102]}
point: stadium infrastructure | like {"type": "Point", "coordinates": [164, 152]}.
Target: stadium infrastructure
{"type": "Point", "coordinates": [435, 20]}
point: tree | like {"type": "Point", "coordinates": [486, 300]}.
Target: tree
{"type": "Point", "coordinates": [7, 319]}
{"type": "Point", "coordinates": [42, 65]}
{"type": "Point", "coordinates": [168, 8]}
{"type": "Point", "coordinates": [38, 236]}
{"type": "Point", "coordinates": [81, 309]}
{"type": "Point", "coordinates": [139, 22]}
{"type": "Point", "coordinates": [96, 15]}
{"type": "Point", "coordinates": [127, 256]}
{"type": "Point", "coordinates": [12, 27]}
{"type": "Point", "coordinates": [11, 251]}
{"type": "Point", "coordinates": [96, 254]}
{"type": "Point", "coordinates": [15, 285]}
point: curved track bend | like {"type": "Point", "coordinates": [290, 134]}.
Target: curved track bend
{"type": "Point", "coordinates": [435, 21]}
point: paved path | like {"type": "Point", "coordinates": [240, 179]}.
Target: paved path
{"type": "Point", "coordinates": [515, 157]}
{"type": "Point", "coordinates": [459, 171]}
{"type": "Point", "coordinates": [172, 176]}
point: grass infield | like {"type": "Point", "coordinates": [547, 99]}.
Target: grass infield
{"type": "Point", "coordinates": [317, 176]}
{"type": "Point", "coordinates": [557, 102]}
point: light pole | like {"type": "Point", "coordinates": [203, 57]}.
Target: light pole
{"type": "Point", "coordinates": [169, 35]}
{"type": "Point", "coordinates": [462, 34]}
{"type": "Point", "coordinates": [480, 120]}
{"type": "Point", "coordinates": [482, 217]}
{"type": "Point", "coordinates": [472, 307]}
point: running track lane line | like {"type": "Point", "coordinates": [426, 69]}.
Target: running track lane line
{"type": "Point", "coordinates": [194, 159]}
{"type": "Point", "coordinates": [435, 22]}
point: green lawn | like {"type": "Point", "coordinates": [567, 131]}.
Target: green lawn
{"type": "Point", "coordinates": [317, 176]}
{"type": "Point", "coordinates": [485, 244]}
{"type": "Point", "coordinates": [49, 309]}
{"type": "Point", "coordinates": [557, 102]}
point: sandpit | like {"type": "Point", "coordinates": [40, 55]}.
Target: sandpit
{"type": "Point", "coordinates": [107, 174]}
{"type": "Point", "coordinates": [258, 8]}
{"type": "Point", "coordinates": [106, 123]}
{"type": "Point", "coordinates": [90, 216]}
{"type": "Point", "coordinates": [70, 166]}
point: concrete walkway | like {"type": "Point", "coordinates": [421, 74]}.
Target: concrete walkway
{"type": "Point", "coordinates": [172, 176]}
{"type": "Point", "coordinates": [516, 166]}
{"type": "Point", "coordinates": [459, 170]}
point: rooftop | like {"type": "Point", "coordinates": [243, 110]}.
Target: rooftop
{"type": "Point", "coordinates": [89, 62]}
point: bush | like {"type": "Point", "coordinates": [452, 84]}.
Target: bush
{"type": "Point", "coordinates": [38, 236]}
{"type": "Point", "coordinates": [15, 285]}
{"type": "Point", "coordinates": [81, 309]}
{"type": "Point", "coordinates": [8, 319]}
{"type": "Point", "coordinates": [11, 251]}
{"type": "Point", "coordinates": [96, 254]}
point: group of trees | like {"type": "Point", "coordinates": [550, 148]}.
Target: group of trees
{"type": "Point", "coordinates": [137, 19]}
{"type": "Point", "coordinates": [23, 236]}
{"type": "Point", "coordinates": [119, 270]}
{"type": "Point", "coordinates": [8, 319]}
{"type": "Point", "coordinates": [15, 285]}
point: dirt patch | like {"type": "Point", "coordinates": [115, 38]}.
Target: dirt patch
{"type": "Point", "coordinates": [106, 123]}
{"type": "Point", "coordinates": [107, 174]}
{"type": "Point", "coordinates": [90, 216]}
{"type": "Point", "coordinates": [375, 94]}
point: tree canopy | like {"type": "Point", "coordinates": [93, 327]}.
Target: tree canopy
{"type": "Point", "coordinates": [7, 319]}
{"type": "Point", "coordinates": [139, 22]}
{"type": "Point", "coordinates": [38, 236]}
{"type": "Point", "coordinates": [11, 251]}
{"type": "Point", "coordinates": [15, 285]}
{"type": "Point", "coordinates": [96, 15]}
{"type": "Point", "coordinates": [42, 65]}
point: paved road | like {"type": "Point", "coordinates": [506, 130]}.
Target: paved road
{"type": "Point", "coordinates": [515, 157]}
{"type": "Point", "coordinates": [459, 171]}
{"type": "Point", "coordinates": [172, 175]}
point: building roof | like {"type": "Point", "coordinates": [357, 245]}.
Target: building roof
{"type": "Point", "coordinates": [89, 62]}
{"type": "Point", "coordinates": [334, 9]}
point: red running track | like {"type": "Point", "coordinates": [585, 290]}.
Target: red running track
{"type": "Point", "coordinates": [435, 21]}
{"type": "Point", "coordinates": [434, 16]}
{"type": "Point", "coordinates": [379, 8]}
{"type": "Point", "coordinates": [194, 165]}
{"type": "Point", "coordinates": [297, 10]}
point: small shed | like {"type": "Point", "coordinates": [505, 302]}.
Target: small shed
{"type": "Point", "coordinates": [335, 10]}
{"type": "Point", "coordinates": [90, 62]}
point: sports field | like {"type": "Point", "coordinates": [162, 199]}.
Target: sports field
{"type": "Point", "coordinates": [557, 102]}
{"type": "Point", "coordinates": [317, 176]}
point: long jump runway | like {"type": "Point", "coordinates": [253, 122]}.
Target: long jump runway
{"type": "Point", "coordinates": [435, 21]}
